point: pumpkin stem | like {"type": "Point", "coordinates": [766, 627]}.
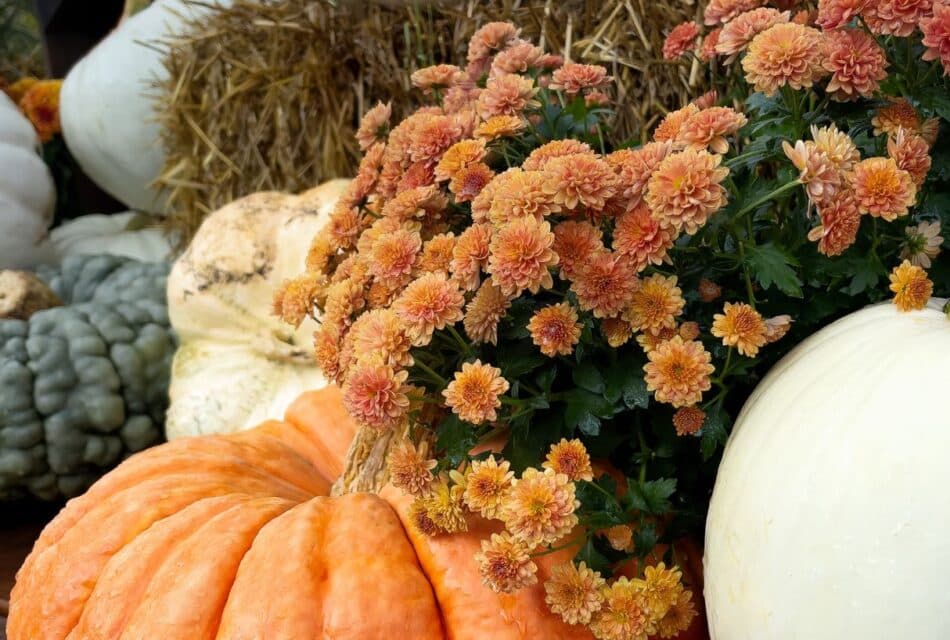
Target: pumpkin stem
{"type": "Point", "coordinates": [365, 467]}
{"type": "Point", "coordinates": [22, 294]}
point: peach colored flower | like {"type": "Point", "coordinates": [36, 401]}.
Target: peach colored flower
{"type": "Point", "coordinates": [650, 340]}
{"type": "Point", "coordinates": [294, 299]}
{"type": "Point", "coordinates": [519, 194]}
{"type": "Point", "coordinates": [898, 113]}
{"type": "Point", "coordinates": [922, 244]}
{"type": "Point", "coordinates": [500, 127]}
{"type": "Point", "coordinates": [344, 298]}
{"type": "Point", "coordinates": [688, 420]}
{"type": "Point", "coordinates": [460, 155]}
{"type": "Point", "coordinates": [619, 537]}
{"type": "Point", "coordinates": [895, 17]}
{"type": "Point", "coordinates": [837, 145]}
{"type": "Point", "coordinates": [833, 14]}
{"type": "Point", "coordinates": [605, 283]}
{"type": "Point", "coordinates": [319, 254]}
{"type": "Point", "coordinates": [776, 328]}
{"type": "Point", "coordinates": [678, 372]}
{"type": "Point", "coordinates": [374, 394]}
{"type": "Point", "coordinates": [689, 330]}
{"type": "Point", "coordinates": [444, 506]}
{"type": "Point", "coordinates": [430, 302]}
{"type": "Point", "coordinates": [380, 332]}
{"type": "Point", "coordinates": [911, 153]}
{"type": "Point", "coordinates": [685, 189]}
{"type": "Point", "coordinates": [840, 221]}
{"type": "Point", "coordinates": [707, 50]}
{"type": "Point", "coordinates": [738, 33]}
{"type": "Point", "coordinates": [470, 255]}
{"type": "Point", "coordinates": [40, 105]}
{"type": "Point", "coordinates": [420, 520]}
{"type": "Point", "coordinates": [518, 57]}
{"type": "Point", "coordinates": [679, 618]}
{"type": "Point", "coordinates": [579, 180]}
{"type": "Point", "coordinates": [460, 97]}
{"type": "Point", "coordinates": [936, 30]}
{"type": "Point", "coordinates": [344, 226]}
{"type": "Point", "coordinates": [740, 326]}
{"type": "Point", "coordinates": [574, 241]}
{"type": "Point", "coordinates": [707, 100]}
{"type": "Point", "coordinates": [624, 614]}
{"type": "Point", "coordinates": [616, 331]}
{"type": "Point", "coordinates": [681, 39]}
{"type": "Point", "coordinates": [911, 286]}
{"type": "Point", "coordinates": [394, 254]}
{"type": "Point", "coordinates": [439, 76]}
{"type": "Point", "coordinates": [507, 95]}
{"type": "Point", "coordinates": [784, 54]}
{"type": "Point", "coordinates": [574, 592]}
{"type": "Point", "coordinates": [709, 128]}
{"type": "Point", "coordinates": [539, 508]}
{"type": "Point", "coordinates": [723, 11]}
{"type": "Point", "coordinates": [475, 393]}
{"type": "Point", "coordinates": [709, 291]}
{"type": "Point", "coordinates": [538, 159]}
{"type": "Point", "coordinates": [505, 564]}
{"type": "Point", "coordinates": [494, 36]}
{"type": "Point", "coordinates": [597, 98]}
{"type": "Point", "coordinates": [326, 350]}
{"type": "Point", "coordinates": [656, 305]}
{"type": "Point", "coordinates": [374, 125]}
{"type": "Point", "coordinates": [409, 469]}
{"type": "Point", "coordinates": [634, 168]}
{"type": "Point", "coordinates": [555, 329]}
{"type": "Point", "coordinates": [640, 238]}
{"type": "Point", "coordinates": [486, 485]}
{"type": "Point", "coordinates": [570, 457]}
{"type": "Point", "coordinates": [484, 312]}
{"type": "Point", "coordinates": [856, 64]}
{"type": "Point", "coordinates": [661, 588]}
{"type": "Point", "coordinates": [573, 78]}
{"type": "Point", "coordinates": [412, 203]}
{"type": "Point", "coordinates": [671, 124]}
{"type": "Point", "coordinates": [469, 182]}
{"type": "Point", "coordinates": [433, 137]}
{"type": "Point", "coordinates": [436, 253]}
{"type": "Point", "coordinates": [816, 171]}
{"type": "Point", "coordinates": [481, 204]}
{"type": "Point", "coordinates": [882, 189]}
{"type": "Point", "coordinates": [520, 256]}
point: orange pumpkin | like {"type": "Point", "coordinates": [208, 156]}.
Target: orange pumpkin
{"type": "Point", "coordinates": [234, 537]}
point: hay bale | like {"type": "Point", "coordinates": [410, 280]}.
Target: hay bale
{"type": "Point", "coordinates": [266, 94]}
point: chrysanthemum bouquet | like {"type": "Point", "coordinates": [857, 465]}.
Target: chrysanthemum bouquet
{"type": "Point", "coordinates": [556, 335]}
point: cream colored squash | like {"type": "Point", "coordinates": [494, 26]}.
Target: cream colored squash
{"type": "Point", "coordinates": [27, 193]}
{"type": "Point", "coordinates": [830, 516]}
{"type": "Point", "coordinates": [107, 116]}
{"type": "Point", "coordinates": [128, 234]}
{"type": "Point", "coordinates": [238, 364]}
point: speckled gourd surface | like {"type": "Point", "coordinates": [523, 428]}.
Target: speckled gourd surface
{"type": "Point", "coordinates": [84, 385]}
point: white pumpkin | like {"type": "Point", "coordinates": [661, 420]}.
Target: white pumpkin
{"type": "Point", "coordinates": [27, 192]}
{"type": "Point", "coordinates": [829, 517]}
{"type": "Point", "coordinates": [128, 234]}
{"type": "Point", "coordinates": [237, 364]}
{"type": "Point", "coordinates": [107, 116]}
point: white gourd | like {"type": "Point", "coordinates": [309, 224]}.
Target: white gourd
{"type": "Point", "coordinates": [128, 234]}
{"type": "Point", "coordinates": [237, 364]}
{"type": "Point", "coordinates": [27, 192]}
{"type": "Point", "coordinates": [829, 517]}
{"type": "Point", "coordinates": [107, 116]}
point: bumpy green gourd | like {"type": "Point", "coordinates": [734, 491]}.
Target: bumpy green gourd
{"type": "Point", "coordinates": [84, 385]}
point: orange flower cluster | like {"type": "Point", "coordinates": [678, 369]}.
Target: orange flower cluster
{"type": "Point", "coordinates": [39, 102]}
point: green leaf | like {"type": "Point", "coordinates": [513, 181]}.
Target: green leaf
{"type": "Point", "coordinates": [635, 392]}
{"type": "Point", "coordinates": [456, 439]}
{"type": "Point", "coordinates": [587, 376]}
{"type": "Point", "coordinates": [520, 359]}
{"type": "Point", "coordinates": [645, 539]}
{"type": "Point", "coordinates": [651, 496]}
{"type": "Point", "coordinates": [589, 425]}
{"type": "Point", "coordinates": [594, 558]}
{"type": "Point", "coordinates": [771, 265]}
{"type": "Point", "coordinates": [581, 406]}
{"type": "Point", "coordinates": [715, 431]}
{"type": "Point", "coordinates": [865, 277]}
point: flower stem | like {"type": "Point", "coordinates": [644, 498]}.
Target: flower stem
{"type": "Point", "coordinates": [466, 347]}
{"type": "Point", "coordinates": [436, 377]}
{"type": "Point", "coordinates": [769, 196]}
{"type": "Point", "coordinates": [567, 545]}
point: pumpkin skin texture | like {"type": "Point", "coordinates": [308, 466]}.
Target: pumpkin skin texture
{"type": "Point", "coordinates": [829, 518]}
{"type": "Point", "coordinates": [128, 234]}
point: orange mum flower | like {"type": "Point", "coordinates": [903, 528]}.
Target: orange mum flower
{"type": "Point", "coordinates": [499, 127]}
{"type": "Point", "coordinates": [486, 484]}
{"type": "Point", "coordinates": [689, 330]}
{"type": "Point", "coordinates": [605, 283]}
{"type": "Point", "coordinates": [616, 331]}
{"type": "Point", "coordinates": [650, 340]}
{"type": "Point", "coordinates": [518, 194]}
{"type": "Point", "coordinates": [574, 242]}
{"type": "Point", "coordinates": [833, 14]}
{"type": "Point", "coordinates": [619, 537]}
{"type": "Point", "coordinates": [580, 179]}
{"type": "Point", "coordinates": [837, 145]}
{"type": "Point", "coordinates": [661, 588]}
{"type": "Point", "coordinates": [380, 332]}
{"type": "Point", "coordinates": [475, 393]}
{"type": "Point", "coordinates": [521, 256]}
{"type": "Point", "coordinates": [539, 508]}
{"type": "Point", "coordinates": [709, 128]}
{"type": "Point", "coordinates": [817, 172]}
{"type": "Point", "coordinates": [784, 54]}
{"type": "Point", "coordinates": [898, 113]}
{"type": "Point", "coordinates": [393, 255]}
{"type": "Point", "coordinates": [430, 302]}
{"type": "Point", "coordinates": [709, 290]}
{"type": "Point", "coordinates": [634, 168]}
{"type": "Point", "coordinates": [493, 36]}
{"type": "Point", "coordinates": [680, 40]}
{"type": "Point", "coordinates": [740, 326]}
{"type": "Point", "coordinates": [507, 95]}
{"type": "Point", "coordinates": [458, 156]}
{"type": "Point", "coordinates": [640, 238]}
{"type": "Point", "coordinates": [936, 30]}
{"type": "Point", "coordinates": [445, 507]}
{"type": "Point", "coordinates": [574, 592]}
{"type": "Point", "coordinates": [723, 11]}
{"type": "Point", "coordinates": [625, 614]}
{"type": "Point", "coordinates": [344, 298]}
{"type": "Point", "coordinates": [895, 17]}
{"type": "Point", "coordinates": [505, 564]}
{"type": "Point", "coordinates": [40, 105]}
{"type": "Point", "coordinates": [679, 618]}
{"type": "Point", "coordinates": [374, 125]}
{"type": "Point", "coordinates": [671, 124]}
{"type": "Point", "coordinates": [520, 56]}
{"type": "Point", "coordinates": [439, 76]}
{"type": "Point", "coordinates": [295, 298]}
{"type": "Point", "coordinates": [484, 312]}
{"type": "Point", "coordinates": [840, 221]}
{"type": "Point", "coordinates": [555, 329]}
{"type": "Point", "coordinates": [375, 394]}
{"type": "Point", "coordinates": [856, 64]}
{"type": "Point", "coordinates": [326, 350]}
{"type": "Point", "coordinates": [707, 50]}
{"type": "Point", "coordinates": [688, 420]}
{"type": "Point", "coordinates": [419, 518]}
{"type": "Point", "coordinates": [882, 189]}
{"type": "Point", "coordinates": [432, 137]}
{"type": "Point", "coordinates": [18, 89]}
{"type": "Point", "coordinates": [656, 305]}
{"type": "Point", "coordinates": [469, 182]}
{"type": "Point", "coordinates": [912, 154]}
{"type": "Point", "coordinates": [344, 226]}
{"type": "Point", "coordinates": [437, 253]}
{"type": "Point", "coordinates": [678, 372]}
{"type": "Point", "coordinates": [470, 256]}
{"type": "Point", "coordinates": [409, 469]}
{"type": "Point", "coordinates": [570, 458]}
{"type": "Point", "coordinates": [573, 78]}
{"type": "Point", "coordinates": [911, 286]}
{"type": "Point", "coordinates": [684, 190]}
{"type": "Point", "coordinates": [737, 34]}
{"type": "Point", "coordinates": [538, 159]}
